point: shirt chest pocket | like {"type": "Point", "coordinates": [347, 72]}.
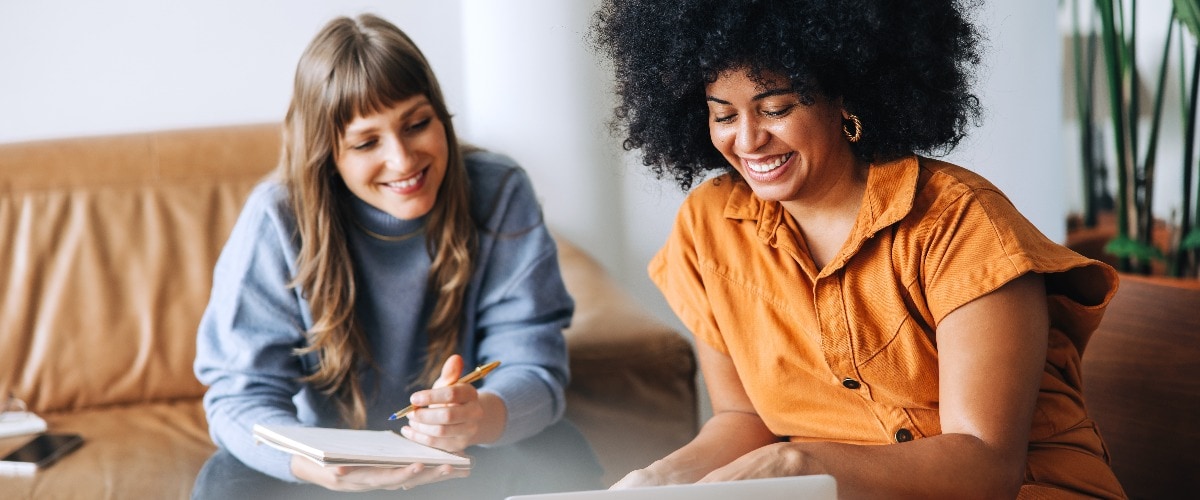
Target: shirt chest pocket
{"type": "Point", "coordinates": [893, 351]}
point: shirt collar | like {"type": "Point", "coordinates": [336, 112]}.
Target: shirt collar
{"type": "Point", "coordinates": [889, 197]}
{"type": "Point", "coordinates": [891, 192]}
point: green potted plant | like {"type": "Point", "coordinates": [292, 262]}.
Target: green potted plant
{"type": "Point", "coordinates": [1139, 242]}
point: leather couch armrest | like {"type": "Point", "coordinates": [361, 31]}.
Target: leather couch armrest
{"type": "Point", "coordinates": [633, 389]}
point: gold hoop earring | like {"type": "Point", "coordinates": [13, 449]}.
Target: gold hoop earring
{"type": "Point", "coordinates": [857, 133]}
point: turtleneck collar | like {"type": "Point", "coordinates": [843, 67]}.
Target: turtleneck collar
{"type": "Point", "coordinates": [381, 223]}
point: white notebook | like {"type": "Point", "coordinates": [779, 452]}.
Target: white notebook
{"type": "Point", "coordinates": [821, 487]}
{"type": "Point", "coordinates": [330, 447]}
{"type": "Point", "coordinates": [16, 423]}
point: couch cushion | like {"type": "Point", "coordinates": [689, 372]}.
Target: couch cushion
{"type": "Point", "coordinates": [143, 451]}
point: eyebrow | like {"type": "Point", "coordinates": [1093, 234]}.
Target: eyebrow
{"type": "Point", "coordinates": [760, 96]}
{"type": "Point", "coordinates": [403, 116]}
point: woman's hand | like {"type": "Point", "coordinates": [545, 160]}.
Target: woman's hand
{"type": "Point", "coordinates": [346, 478]}
{"type": "Point", "coordinates": [773, 460]}
{"type": "Point", "coordinates": [450, 416]}
{"type": "Point", "coordinates": [641, 477]}
{"type": "Point", "coordinates": [734, 430]}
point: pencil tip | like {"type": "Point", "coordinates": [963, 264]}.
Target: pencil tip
{"type": "Point", "coordinates": [393, 417]}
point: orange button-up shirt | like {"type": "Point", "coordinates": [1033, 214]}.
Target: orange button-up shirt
{"type": "Point", "coordinates": [849, 353]}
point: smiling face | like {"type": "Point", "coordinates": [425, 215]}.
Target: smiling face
{"type": "Point", "coordinates": [395, 159]}
{"type": "Point", "coordinates": [786, 150]}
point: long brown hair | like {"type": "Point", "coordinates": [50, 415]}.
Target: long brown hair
{"type": "Point", "coordinates": [353, 67]}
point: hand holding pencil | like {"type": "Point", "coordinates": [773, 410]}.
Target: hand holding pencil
{"type": "Point", "coordinates": [453, 414]}
{"type": "Point", "coordinates": [475, 375]}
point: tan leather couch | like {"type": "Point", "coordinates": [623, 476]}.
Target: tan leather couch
{"type": "Point", "coordinates": [107, 246]}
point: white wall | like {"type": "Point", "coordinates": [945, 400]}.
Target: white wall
{"type": "Point", "coordinates": [80, 67]}
{"type": "Point", "coordinates": [1020, 144]}
{"type": "Point", "coordinates": [517, 73]}
{"type": "Point", "coordinates": [533, 90]}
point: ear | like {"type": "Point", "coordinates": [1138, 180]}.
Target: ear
{"type": "Point", "coordinates": [839, 102]}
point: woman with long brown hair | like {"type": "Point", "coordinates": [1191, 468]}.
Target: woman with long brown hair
{"type": "Point", "coordinates": [381, 257]}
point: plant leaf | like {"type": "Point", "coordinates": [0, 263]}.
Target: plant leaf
{"type": "Point", "coordinates": [1113, 45]}
{"type": "Point", "coordinates": [1188, 13]}
{"type": "Point", "coordinates": [1123, 246]}
{"type": "Point", "coordinates": [1192, 241]}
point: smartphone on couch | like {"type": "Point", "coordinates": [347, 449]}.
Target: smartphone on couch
{"type": "Point", "coordinates": [39, 453]}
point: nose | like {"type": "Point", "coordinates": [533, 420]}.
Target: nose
{"type": "Point", "coordinates": [395, 153]}
{"type": "Point", "coordinates": [750, 135]}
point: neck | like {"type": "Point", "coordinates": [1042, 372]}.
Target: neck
{"type": "Point", "coordinates": [839, 198]}
{"type": "Point", "coordinates": [826, 219]}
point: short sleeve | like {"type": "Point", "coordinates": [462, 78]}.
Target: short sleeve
{"type": "Point", "coordinates": [979, 242]}
{"type": "Point", "coordinates": [676, 270]}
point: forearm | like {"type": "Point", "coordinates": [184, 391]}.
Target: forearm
{"type": "Point", "coordinates": [235, 435]}
{"type": "Point", "coordinates": [944, 466]}
{"type": "Point", "coordinates": [724, 438]}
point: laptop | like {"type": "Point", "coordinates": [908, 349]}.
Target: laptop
{"type": "Point", "coordinates": [820, 487]}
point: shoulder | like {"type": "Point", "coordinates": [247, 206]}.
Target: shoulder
{"type": "Point", "coordinates": [945, 177]}
{"type": "Point", "coordinates": [264, 240]}
{"type": "Point", "coordinates": [954, 202]}
{"type": "Point", "coordinates": [269, 195]}
{"type": "Point", "coordinates": [493, 173]}
{"type": "Point", "coordinates": [268, 208]}
{"type": "Point", "coordinates": [714, 194]}
{"type": "Point", "coordinates": [488, 168]}
{"type": "Point", "coordinates": [716, 189]}
{"type": "Point", "coordinates": [944, 189]}
{"type": "Point", "coordinates": [716, 201]}
{"type": "Point", "coordinates": [502, 193]}
{"type": "Point", "coordinates": [717, 221]}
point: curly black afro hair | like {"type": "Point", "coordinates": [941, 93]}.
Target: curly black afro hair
{"type": "Point", "coordinates": [904, 68]}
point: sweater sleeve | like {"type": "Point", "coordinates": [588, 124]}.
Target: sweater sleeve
{"type": "Point", "coordinates": [523, 308]}
{"type": "Point", "coordinates": [244, 351]}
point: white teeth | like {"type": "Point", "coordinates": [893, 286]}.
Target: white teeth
{"type": "Point", "coordinates": [406, 183]}
{"type": "Point", "coordinates": [770, 165]}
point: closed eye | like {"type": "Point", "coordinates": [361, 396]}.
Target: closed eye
{"type": "Point", "coordinates": [776, 113]}
{"type": "Point", "coordinates": [365, 145]}
{"type": "Point", "coordinates": [417, 127]}
{"type": "Point", "coordinates": [724, 119]}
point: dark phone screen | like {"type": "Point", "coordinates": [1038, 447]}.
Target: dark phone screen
{"type": "Point", "coordinates": [45, 449]}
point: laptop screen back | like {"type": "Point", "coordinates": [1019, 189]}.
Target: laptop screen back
{"type": "Point", "coordinates": [820, 487]}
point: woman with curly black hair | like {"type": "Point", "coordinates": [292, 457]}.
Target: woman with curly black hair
{"type": "Point", "coordinates": [845, 289]}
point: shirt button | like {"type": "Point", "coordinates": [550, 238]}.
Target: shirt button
{"type": "Point", "coordinates": [850, 383]}
{"type": "Point", "coordinates": [903, 436]}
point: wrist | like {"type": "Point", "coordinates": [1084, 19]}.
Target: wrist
{"type": "Point", "coordinates": [668, 471]}
{"type": "Point", "coordinates": [300, 471]}
{"type": "Point", "coordinates": [494, 421]}
{"type": "Point", "coordinates": [795, 459]}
